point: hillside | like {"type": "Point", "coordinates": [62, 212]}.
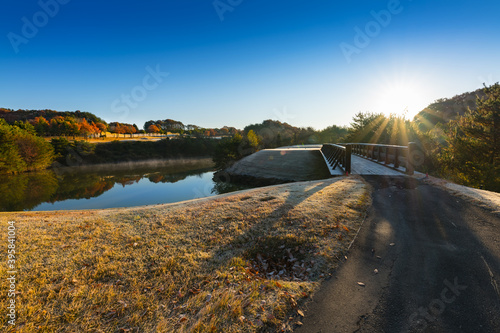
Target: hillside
{"type": "Point", "coordinates": [446, 109]}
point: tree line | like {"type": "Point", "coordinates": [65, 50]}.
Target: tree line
{"type": "Point", "coordinates": [21, 149]}
{"type": "Point", "coordinates": [174, 126]}
{"type": "Point", "coordinates": [54, 123]}
{"type": "Point", "coordinates": [271, 134]}
{"type": "Point", "coordinates": [460, 137]}
{"type": "Point", "coordinates": [85, 124]}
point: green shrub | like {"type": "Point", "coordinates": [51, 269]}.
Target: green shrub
{"type": "Point", "coordinates": [21, 150]}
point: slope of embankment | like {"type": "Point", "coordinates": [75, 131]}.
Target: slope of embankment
{"type": "Point", "coordinates": [280, 165]}
{"type": "Point", "coordinates": [232, 263]}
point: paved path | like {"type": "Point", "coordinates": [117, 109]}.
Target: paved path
{"type": "Point", "coordinates": [438, 264]}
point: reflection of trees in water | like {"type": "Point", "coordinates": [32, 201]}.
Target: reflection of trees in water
{"type": "Point", "coordinates": [129, 180]}
{"type": "Point", "coordinates": [27, 190]}
{"type": "Point", "coordinates": [81, 186]}
{"type": "Point", "coordinates": [222, 187]}
{"type": "Point", "coordinates": [166, 178]}
{"type": "Point", "coordinates": [175, 177]}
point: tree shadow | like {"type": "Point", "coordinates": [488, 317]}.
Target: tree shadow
{"type": "Point", "coordinates": [257, 233]}
{"type": "Point", "coordinates": [440, 244]}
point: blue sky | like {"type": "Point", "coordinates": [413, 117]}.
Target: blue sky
{"type": "Point", "coordinates": [237, 62]}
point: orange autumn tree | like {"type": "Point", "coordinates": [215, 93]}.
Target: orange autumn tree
{"type": "Point", "coordinates": [102, 127]}
{"type": "Point", "coordinates": [153, 129]}
{"type": "Point", "coordinates": [87, 129]}
{"type": "Point", "coordinates": [41, 125]}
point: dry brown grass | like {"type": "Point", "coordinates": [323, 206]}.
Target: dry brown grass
{"type": "Point", "coordinates": [235, 263]}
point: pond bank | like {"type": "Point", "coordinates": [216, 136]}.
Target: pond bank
{"type": "Point", "coordinates": [237, 262]}
{"type": "Point", "coordinates": [110, 185]}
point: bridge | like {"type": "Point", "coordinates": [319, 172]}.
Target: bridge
{"type": "Point", "coordinates": [311, 162]}
{"type": "Point", "coordinates": [371, 159]}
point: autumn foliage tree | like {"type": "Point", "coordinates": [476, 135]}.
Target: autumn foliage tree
{"type": "Point", "coordinates": [53, 123]}
{"type": "Point", "coordinates": [34, 150]}
{"type": "Point", "coordinates": [120, 128]}
{"type": "Point", "coordinates": [86, 129]}
{"type": "Point", "coordinates": [102, 127]}
{"type": "Point", "coordinates": [153, 129]}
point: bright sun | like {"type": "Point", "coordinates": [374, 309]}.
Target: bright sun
{"type": "Point", "coordinates": [401, 99]}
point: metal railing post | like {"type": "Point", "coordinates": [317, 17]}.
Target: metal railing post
{"type": "Point", "coordinates": [410, 168]}
{"type": "Point", "coordinates": [396, 158]}
{"type": "Point", "coordinates": [348, 151]}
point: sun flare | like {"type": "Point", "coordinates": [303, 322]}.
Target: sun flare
{"type": "Point", "coordinates": [400, 98]}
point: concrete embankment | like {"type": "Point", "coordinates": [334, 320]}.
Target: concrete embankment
{"type": "Point", "coordinates": [281, 165]}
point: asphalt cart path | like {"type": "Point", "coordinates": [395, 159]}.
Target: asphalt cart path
{"type": "Point", "coordinates": [424, 261]}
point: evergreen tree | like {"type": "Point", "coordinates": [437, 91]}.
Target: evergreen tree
{"type": "Point", "coordinates": [366, 127]}
{"type": "Point", "coordinates": [228, 151]}
{"type": "Point", "coordinates": [472, 156]}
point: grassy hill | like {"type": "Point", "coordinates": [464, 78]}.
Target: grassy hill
{"type": "Point", "coordinates": [244, 262]}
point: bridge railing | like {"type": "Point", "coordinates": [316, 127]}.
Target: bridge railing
{"type": "Point", "coordinates": [388, 154]}
{"type": "Point", "coordinates": [399, 156]}
{"type": "Point", "coordinates": [337, 155]}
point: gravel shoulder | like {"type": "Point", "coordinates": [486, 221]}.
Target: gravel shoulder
{"type": "Point", "coordinates": [485, 199]}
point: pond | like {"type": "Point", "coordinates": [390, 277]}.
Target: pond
{"type": "Point", "coordinates": [110, 186]}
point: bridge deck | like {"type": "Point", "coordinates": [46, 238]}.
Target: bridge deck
{"type": "Point", "coordinates": [363, 166]}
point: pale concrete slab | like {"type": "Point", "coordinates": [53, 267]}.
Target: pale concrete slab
{"type": "Point", "coordinates": [301, 163]}
{"type": "Point", "coordinates": [291, 164]}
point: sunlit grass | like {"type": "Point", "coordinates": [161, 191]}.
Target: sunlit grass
{"type": "Point", "coordinates": [236, 263]}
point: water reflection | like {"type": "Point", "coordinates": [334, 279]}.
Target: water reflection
{"type": "Point", "coordinates": [115, 187]}
{"type": "Point", "coordinates": [26, 191]}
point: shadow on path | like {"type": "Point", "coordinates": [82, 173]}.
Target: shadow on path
{"type": "Point", "coordinates": [438, 262]}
